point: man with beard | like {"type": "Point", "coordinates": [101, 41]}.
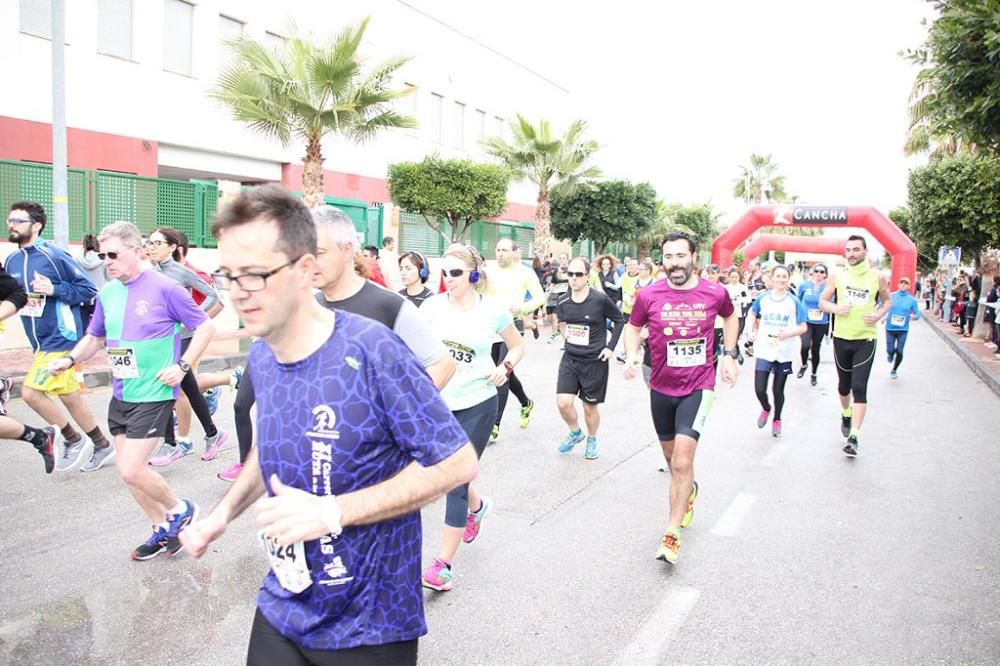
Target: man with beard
{"type": "Point", "coordinates": [854, 333]}
{"type": "Point", "coordinates": [56, 288]}
{"type": "Point", "coordinates": [680, 314]}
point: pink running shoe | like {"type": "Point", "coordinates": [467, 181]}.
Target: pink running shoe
{"type": "Point", "coordinates": [230, 473]}
{"type": "Point", "coordinates": [776, 428]}
{"type": "Point", "coordinates": [170, 453]}
{"type": "Point", "coordinates": [213, 445]}
{"type": "Point", "coordinates": [762, 419]}
{"type": "Point", "coordinates": [475, 520]}
{"type": "Point", "coordinates": [437, 576]}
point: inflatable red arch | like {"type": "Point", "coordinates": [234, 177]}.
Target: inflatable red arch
{"type": "Point", "coordinates": [892, 238]}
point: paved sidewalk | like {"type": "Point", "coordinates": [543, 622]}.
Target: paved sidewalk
{"type": "Point", "coordinates": [980, 358]}
{"type": "Point", "coordinates": [227, 350]}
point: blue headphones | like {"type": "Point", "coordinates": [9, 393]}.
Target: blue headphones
{"type": "Point", "coordinates": [423, 272]}
{"type": "Point", "coordinates": [474, 273]}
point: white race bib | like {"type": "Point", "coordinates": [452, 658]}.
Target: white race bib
{"type": "Point", "coordinates": [288, 563]}
{"type": "Point", "coordinates": [34, 307]}
{"type": "Point", "coordinates": [856, 296]}
{"type": "Point", "coordinates": [766, 345]}
{"type": "Point", "coordinates": [123, 363]}
{"type": "Point", "coordinates": [578, 334]}
{"type": "Point", "coordinates": [814, 314]}
{"type": "Point", "coordinates": [464, 356]}
{"type": "Point", "coordinates": [686, 353]}
{"type": "Point", "coordinates": [897, 320]}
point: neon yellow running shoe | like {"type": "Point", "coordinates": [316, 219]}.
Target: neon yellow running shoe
{"type": "Point", "coordinates": [670, 547]}
{"type": "Point", "coordinates": [689, 514]}
{"type": "Point", "coordinates": [526, 413]}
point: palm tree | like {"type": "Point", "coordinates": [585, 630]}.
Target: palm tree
{"type": "Point", "coordinates": [307, 91]}
{"type": "Point", "coordinates": [759, 179]}
{"type": "Point", "coordinates": [923, 136]}
{"type": "Point", "coordinates": [551, 163]}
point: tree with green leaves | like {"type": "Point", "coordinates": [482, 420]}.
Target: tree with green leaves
{"type": "Point", "coordinates": [926, 256]}
{"type": "Point", "coordinates": [548, 161]}
{"type": "Point", "coordinates": [306, 91]}
{"type": "Point", "coordinates": [457, 191]}
{"type": "Point", "coordinates": [758, 179]}
{"type": "Point", "coordinates": [699, 221]}
{"type": "Point", "coordinates": [957, 93]}
{"type": "Point", "coordinates": [955, 201]}
{"type": "Point", "coordinates": [610, 211]}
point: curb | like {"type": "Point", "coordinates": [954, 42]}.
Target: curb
{"type": "Point", "coordinates": [983, 371]}
{"type": "Point", "coordinates": [98, 378]}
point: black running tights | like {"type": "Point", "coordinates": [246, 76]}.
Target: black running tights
{"type": "Point", "coordinates": [778, 389]}
{"type": "Point", "coordinates": [241, 413]}
{"type": "Point", "coordinates": [811, 341]}
{"type": "Point", "coordinates": [513, 384]}
{"type": "Point", "coordinates": [198, 404]}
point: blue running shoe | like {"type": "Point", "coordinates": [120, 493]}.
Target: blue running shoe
{"type": "Point", "coordinates": [591, 452]}
{"type": "Point", "coordinates": [155, 544]}
{"type": "Point", "coordinates": [236, 376]}
{"type": "Point", "coordinates": [212, 398]}
{"type": "Point", "coordinates": [571, 440]}
{"type": "Point", "coordinates": [176, 523]}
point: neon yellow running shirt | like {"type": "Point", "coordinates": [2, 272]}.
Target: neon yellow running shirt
{"type": "Point", "coordinates": [857, 286]}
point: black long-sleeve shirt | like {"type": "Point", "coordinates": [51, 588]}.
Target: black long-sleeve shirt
{"type": "Point", "coordinates": [586, 332]}
{"type": "Point", "coordinates": [11, 290]}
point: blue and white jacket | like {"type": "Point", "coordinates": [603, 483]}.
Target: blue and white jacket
{"type": "Point", "coordinates": [59, 327]}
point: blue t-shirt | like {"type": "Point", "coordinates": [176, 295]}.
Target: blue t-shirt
{"type": "Point", "coordinates": [898, 319]}
{"type": "Point", "coordinates": [351, 415]}
{"type": "Point", "coordinates": [809, 294]}
{"type": "Point", "coordinates": [777, 315]}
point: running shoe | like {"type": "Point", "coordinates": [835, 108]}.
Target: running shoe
{"type": "Point", "coordinates": [6, 384]}
{"type": "Point", "coordinates": [845, 425]}
{"type": "Point", "coordinates": [689, 514]}
{"type": "Point", "coordinates": [526, 413]}
{"type": "Point", "coordinates": [236, 376]}
{"type": "Point", "coordinates": [893, 375]}
{"type": "Point", "coordinates": [475, 520]}
{"type": "Point", "coordinates": [230, 473]}
{"type": "Point", "coordinates": [670, 547]}
{"type": "Point", "coordinates": [212, 398]}
{"type": "Point", "coordinates": [553, 337]}
{"type": "Point", "coordinates": [801, 373]}
{"type": "Point", "coordinates": [171, 453]}
{"type": "Point", "coordinates": [762, 419]}
{"type": "Point", "coordinates": [534, 331]}
{"type": "Point", "coordinates": [748, 348]}
{"type": "Point", "coordinates": [812, 380]}
{"type": "Point", "coordinates": [591, 452]}
{"type": "Point", "coordinates": [98, 459]}
{"type": "Point", "coordinates": [213, 445]}
{"type": "Point", "coordinates": [72, 454]}
{"type": "Point", "coordinates": [176, 523]}
{"type": "Point", "coordinates": [437, 576]}
{"type": "Point", "coordinates": [776, 428]}
{"type": "Point", "coordinates": [48, 449]}
{"type": "Point", "coordinates": [155, 544]}
{"type": "Point", "coordinates": [571, 440]}
{"type": "Point", "coordinates": [851, 448]}
{"type": "Point", "coordinates": [494, 433]}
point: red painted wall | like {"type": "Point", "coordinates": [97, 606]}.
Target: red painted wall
{"type": "Point", "coordinates": [32, 142]}
{"type": "Point", "coordinates": [337, 184]}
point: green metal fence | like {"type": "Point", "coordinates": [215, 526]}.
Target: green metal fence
{"type": "Point", "coordinates": [20, 181]}
{"type": "Point", "coordinates": [416, 235]}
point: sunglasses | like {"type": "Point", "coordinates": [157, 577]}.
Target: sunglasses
{"type": "Point", "coordinates": [455, 272]}
{"type": "Point", "coordinates": [108, 255]}
{"type": "Point", "coordinates": [820, 272]}
{"type": "Point", "coordinates": [575, 273]}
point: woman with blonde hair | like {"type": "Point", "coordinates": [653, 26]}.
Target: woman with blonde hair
{"type": "Point", "coordinates": [467, 323]}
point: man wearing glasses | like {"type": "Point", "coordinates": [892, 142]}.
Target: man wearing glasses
{"type": "Point", "coordinates": [353, 438]}
{"type": "Point", "coordinates": [517, 288]}
{"type": "Point", "coordinates": [56, 288]}
{"type": "Point", "coordinates": [136, 318]}
{"type": "Point", "coordinates": [817, 321]}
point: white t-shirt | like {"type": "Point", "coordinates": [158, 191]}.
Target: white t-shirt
{"type": "Point", "coordinates": [777, 315]}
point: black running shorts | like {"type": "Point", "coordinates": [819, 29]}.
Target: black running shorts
{"type": "Point", "coordinates": [587, 379]}
{"type": "Point", "coordinates": [139, 420]}
{"type": "Point", "coordinates": [680, 415]}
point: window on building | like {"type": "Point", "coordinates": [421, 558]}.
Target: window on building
{"type": "Point", "coordinates": [178, 22]}
{"type": "Point", "coordinates": [36, 17]}
{"type": "Point", "coordinates": [480, 126]}
{"type": "Point", "coordinates": [114, 28]}
{"type": "Point", "coordinates": [434, 124]}
{"type": "Point", "coordinates": [229, 30]}
{"type": "Point", "coordinates": [274, 41]}
{"type": "Point", "coordinates": [498, 126]}
{"type": "Point", "coordinates": [459, 138]}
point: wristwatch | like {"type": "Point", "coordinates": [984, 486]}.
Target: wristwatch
{"type": "Point", "coordinates": [732, 353]}
{"type": "Point", "coordinates": [329, 513]}
{"type": "Point", "coordinates": [184, 366]}
{"type": "Point", "coordinates": [509, 367]}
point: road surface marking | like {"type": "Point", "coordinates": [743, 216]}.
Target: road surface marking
{"type": "Point", "coordinates": [729, 524]}
{"type": "Point", "coordinates": [659, 628]}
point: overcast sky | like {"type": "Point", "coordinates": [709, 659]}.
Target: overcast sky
{"type": "Point", "coordinates": [680, 93]}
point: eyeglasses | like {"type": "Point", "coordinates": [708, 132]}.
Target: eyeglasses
{"type": "Point", "coordinates": [455, 272]}
{"type": "Point", "coordinates": [108, 255]}
{"type": "Point", "coordinates": [575, 273]}
{"type": "Point", "coordinates": [249, 281]}
{"type": "Point", "coordinates": [157, 243]}
{"type": "Point", "coordinates": [18, 220]}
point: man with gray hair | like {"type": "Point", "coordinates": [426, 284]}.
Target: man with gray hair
{"type": "Point", "coordinates": [388, 262]}
{"type": "Point", "coordinates": [136, 318]}
{"type": "Point", "coordinates": [341, 288]}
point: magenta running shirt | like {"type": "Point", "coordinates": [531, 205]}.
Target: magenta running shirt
{"type": "Point", "coordinates": [681, 336]}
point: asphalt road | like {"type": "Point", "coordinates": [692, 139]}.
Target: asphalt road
{"type": "Point", "coordinates": [796, 554]}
